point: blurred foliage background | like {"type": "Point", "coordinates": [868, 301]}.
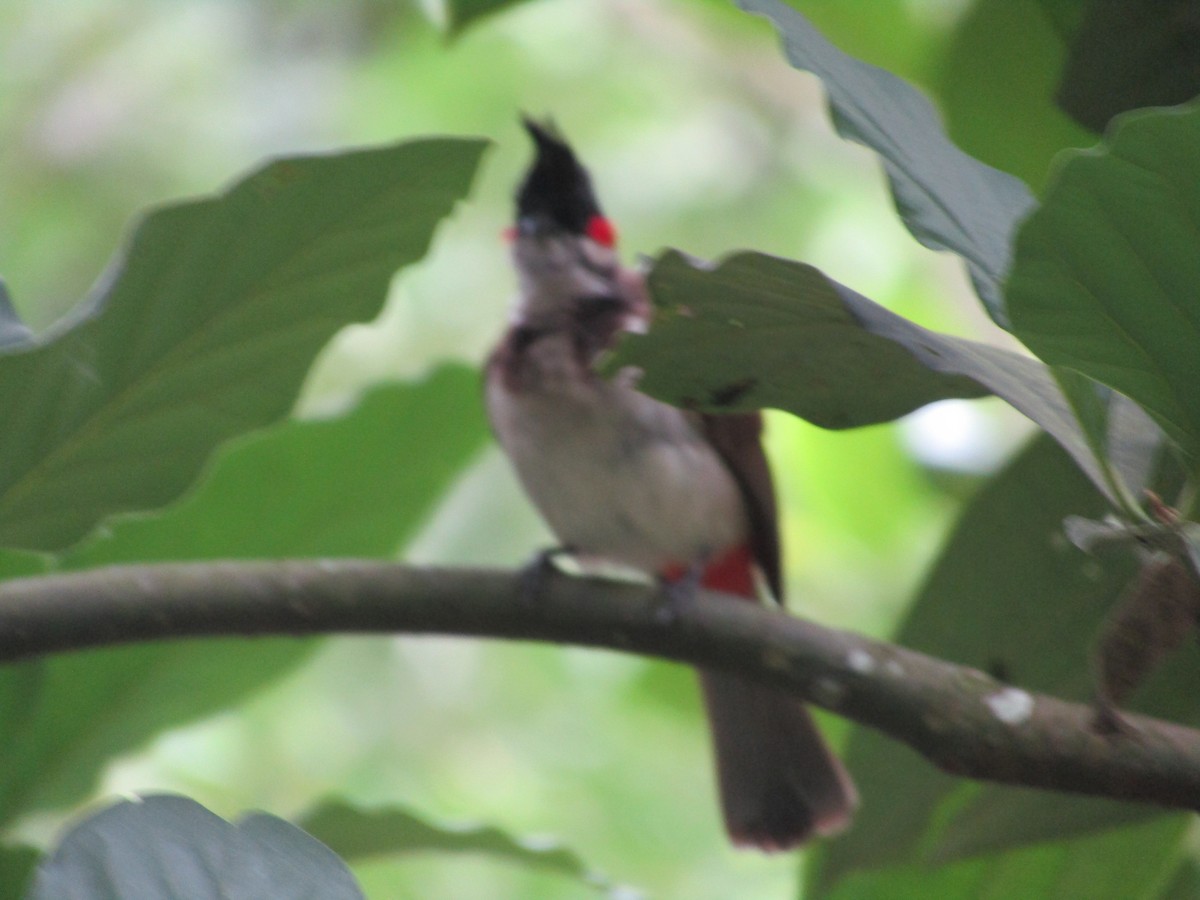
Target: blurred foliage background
{"type": "Point", "coordinates": [701, 137]}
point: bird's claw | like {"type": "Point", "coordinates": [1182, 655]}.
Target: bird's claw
{"type": "Point", "coordinates": [535, 572]}
{"type": "Point", "coordinates": [678, 593]}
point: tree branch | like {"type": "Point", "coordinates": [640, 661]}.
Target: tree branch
{"type": "Point", "coordinates": [961, 719]}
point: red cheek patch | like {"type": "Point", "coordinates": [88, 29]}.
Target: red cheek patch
{"type": "Point", "coordinates": [600, 230]}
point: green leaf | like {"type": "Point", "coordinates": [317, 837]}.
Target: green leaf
{"type": "Point", "coordinates": [757, 331]}
{"type": "Point", "coordinates": [1002, 819]}
{"type": "Point", "coordinates": [205, 328]}
{"type": "Point", "coordinates": [63, 719]}
{"type": "Point", "coordinates": [1007, 55]}
{"type": "Point", "coordinates": [1138, 861]}
{"type": "Point", "coordinates": [1185, 884]}
{"type": "Point", "coordinates": [1128, 55]}
{"type": "Point", "coordinates": [357, 485]}
{"type": "Point", "coordinates": [760, 331]}
{"type": "Point", "coordinates": [166, 848]}
{"type": "Point", "coordinates": [1009, 595]}
{"type": "Point", "coordinates": [355, 833]}
{"type": "Point", "coordinates": [1123, 439]}
{"type": "Point", "coordinates": [947, 199]}
{"type": "Point", "coordinates": [19, 564]}
{"type": "Point", "coordinates": [13, 332]}
{"type": "Point", "coordinates": [16, 869]}
{"type": "Point", "coordinates": [1106, 278]}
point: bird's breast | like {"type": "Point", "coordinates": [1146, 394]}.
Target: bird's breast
{"type": "Point", "coordinates": [614, 473]}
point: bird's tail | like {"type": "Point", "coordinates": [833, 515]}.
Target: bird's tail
{"type": "Point", "coordinates": [780, 784]}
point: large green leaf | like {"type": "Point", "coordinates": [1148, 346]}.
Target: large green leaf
{"type": "Point", "coordinates": [205, 328]}
{"type": "Point", "coordinates": [16, 869]}
{"type": "Point", "coordinates": [355, 834]}
{"type": "Point", "coordinates": [1007, 55]}
{"type": "Point", "coordinates": [1138, 861]}
{"type": "Point", "coordinates": [947, 199]}
{"type": "Point", "coordinates": [64, 719]}
{"type": "Point", "coordinates": [757, 331]}
{"type": "Point", "coordinates": [168, 848]}
{"type": "Point", "coordinates": [357, 485]}
{"type": "Point", "coordinates": [1009, 594]}
{"type": "Point", "coordinates": [1131, 54]}
{"type": "Point", "coordinates": [1106, 278]}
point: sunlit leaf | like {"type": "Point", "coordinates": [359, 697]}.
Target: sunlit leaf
{"type": "Point", "coordinates": [356, 485]}
{"type": "Point", "coordinates": [205, 328]}
{"type": "Point", "coordinates": [167, 848]}
{"type": "Point", "coordinates": [947, 199]}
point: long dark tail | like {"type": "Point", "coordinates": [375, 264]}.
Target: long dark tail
{"type": "Point", "coordinates": [780, 784]}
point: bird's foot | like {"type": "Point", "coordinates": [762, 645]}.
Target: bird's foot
{"type": "Point", "coordinates": [679, 586]}
{"type": "Point", "coordinates": [535, 572]}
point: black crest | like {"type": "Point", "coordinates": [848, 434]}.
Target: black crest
{"type": "Point", "coordinates": [556, 187]}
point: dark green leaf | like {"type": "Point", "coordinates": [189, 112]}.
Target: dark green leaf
{"type": "Point", "coordinates": [1106, 278]}
{"type": "Point", "coordinates": [1116, 865]}
{"type": "Point", "coordinates": [1185, 884]}
{"type": "Point", "coordinates": [355, 833]}
{"type": "Point", "coordinates": [1001, 819]}
{"type": "Point", "coordinates": [757, 331]}
{"type": "Point", "coordinates": [947, 199]}
{"type": "Point", "coordinates": [1064, 16]}
{"type": "Point", "coordinates": [1129, 54]}
{"type": "Point", "coordinates": [167, 848]}
{"type": "Point", "coordinates": [1007, 55]}
{"type": "Point", "coordinates": [358, 485]}
{"type": "Point", "coordinates": [16, 869]}
{"type": "Point", "coordinates": [1117, 430]}
{"type": "Point", "coordinates": [1008, 595]}
{"type": "Point", "coordinates": [13, 332]}
{"type": "Point", "coordinates": [63, 719]}
{"type": "Point", "coordinates": [205, 329]}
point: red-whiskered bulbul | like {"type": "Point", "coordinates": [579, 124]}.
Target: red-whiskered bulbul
{"type": "Point", "coordinates": [622, 477]}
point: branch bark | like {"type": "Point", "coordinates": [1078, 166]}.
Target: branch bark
{"type": "Point", "coordinates": [961, 719]}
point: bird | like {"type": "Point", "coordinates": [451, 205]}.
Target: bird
{"type": "Point", "coordinates": [684, 497]}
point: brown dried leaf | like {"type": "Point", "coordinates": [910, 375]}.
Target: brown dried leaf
{"type": "Point", "coordinates": [1156, 613]}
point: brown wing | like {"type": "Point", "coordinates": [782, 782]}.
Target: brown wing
{"type": "Point", "coordinates": [737, 437]}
